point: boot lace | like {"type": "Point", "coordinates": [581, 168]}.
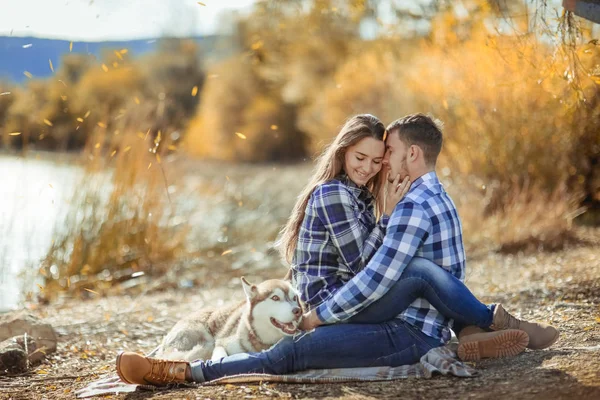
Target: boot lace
{"type": "Point", "coordinates": [164, 371]}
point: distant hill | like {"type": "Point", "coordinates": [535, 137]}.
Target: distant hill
{"type": "Point", "coordinates": [20, 54]}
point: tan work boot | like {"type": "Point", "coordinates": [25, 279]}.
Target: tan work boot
{"type": "Point", "coordinates": [540, 335]}
{"type": "Point", "coordinates": [474, 343]}
{"type": "Point", "coordinates": [137, 369]}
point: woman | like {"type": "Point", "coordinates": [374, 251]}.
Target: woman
{"type": "Point", "coordinates": [332, 232]}
{"type": "Point", "coordinates": [336, 235]}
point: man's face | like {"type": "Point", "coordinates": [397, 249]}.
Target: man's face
{"type": "Point", "coordinates": [395, 156]}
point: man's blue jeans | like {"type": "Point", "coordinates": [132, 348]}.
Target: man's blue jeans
{"type": "Point", "coordinates": [372, 338]}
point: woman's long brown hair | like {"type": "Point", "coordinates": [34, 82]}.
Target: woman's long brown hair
{"type": "Point", "coordinates": [329, 165]}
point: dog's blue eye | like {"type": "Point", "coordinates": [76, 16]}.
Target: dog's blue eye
{"type": "Point", "coordinates": [275, 298]}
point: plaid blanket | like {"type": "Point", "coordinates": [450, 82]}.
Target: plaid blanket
{"type": "Point", "coordinates": [441, 360]}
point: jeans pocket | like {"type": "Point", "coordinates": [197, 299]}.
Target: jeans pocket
{"type": "Point", "coordinates": [408, 356]}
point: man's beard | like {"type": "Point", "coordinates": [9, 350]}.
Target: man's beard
{"type": "Point", "coordinates": [403, 171]}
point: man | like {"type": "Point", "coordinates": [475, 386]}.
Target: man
{"type": "Point", "coordinates": [422, 256]}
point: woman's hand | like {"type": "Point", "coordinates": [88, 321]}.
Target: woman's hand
{"type": "Point", "coordinates": [396, 191]}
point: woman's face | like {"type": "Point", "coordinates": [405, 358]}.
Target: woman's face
{"type": "Point", "coordinates": [363, 160]}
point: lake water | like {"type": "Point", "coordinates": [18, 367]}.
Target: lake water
{"type": "Point", "coordinates": [33, 197]}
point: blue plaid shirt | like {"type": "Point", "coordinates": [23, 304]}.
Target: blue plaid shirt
{"type": "Point", "coordinates": [337, 238]}
{"type": "Point", "coordinates": [425, 224]}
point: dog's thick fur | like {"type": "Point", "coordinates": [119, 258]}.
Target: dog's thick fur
{"type": "Point", "coordinates": [270, 312]}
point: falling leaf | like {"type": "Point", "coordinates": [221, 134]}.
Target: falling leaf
{"type": "Point", "coordinates": [4, 93]}
{"type": "Point", "coordinates": [194, 91]}
{"type": "Point", "coordinates": [80, 119]}
{"type": "Point", "coordinates": [127, 149]}
{"type": "Point", "coordinates": [115, 64]}
{"type": "Point", "coordinates": [241, 135]}
{"type": "Point", "coordinates": [47, 122]}
{"type": "Point", "coordinates": [14, 134]}
{"type": "Point", "coordinates": [274, 127]}
{"type": "Point", "coordinates": [104, 67]}
{"type": "Point", "coordinates": [87, 114]}
{"type": "Point", "coordinates": [70, 47]}
{"type": "Point", "coordinates": [97, 146]}
{"type": "Point", "coordinates": [40, 287]}
{"type": "Point", "coordinates": [51, 66]}
{"type": "Point", "coordinates": [157, 158]}
{"type": "Point", "coordinates": [113, 153]}
{"type": "Point", "coordinates": [137, 101]}
{"type": "Point", "coordinates": [257, 45]}
{"type": "Point", "coordinates": [28, 74]}
{"type": "Point", "coordinates": [241, 203]}
{"type": "Point", "coordinates": [123, 51]}
{"type": "Point", "coordinates": [226, 252]}
{"type": "Point", "coordinates": [226, 177]}
{"type": "Point", "coordinates": [119, 56]}
{"type": "Point", "coordinates": [51, 187]}
{"type": "Point", "coordinates": [149, 165]}
{"type": "Point", "coordinates": [172, 147]}
{"type": "Point", "coordinates": [91, 291]}
{"type": "Point", "coordinates": [68, 282]}
{"type": "Point", "coordinates": [102, 125]}
{"type": "Point", "coordinates": [202, 4]}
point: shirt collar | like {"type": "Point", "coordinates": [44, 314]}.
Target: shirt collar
{"type": "Point", "coordinates": [361, 192]}
{"type": "Point", "coordinates": [428, 179]}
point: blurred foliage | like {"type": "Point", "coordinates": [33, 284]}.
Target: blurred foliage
{"type": "Point", "coordinates": [515, 83]}
{"type": "Point", "coordinates": [62, 113]}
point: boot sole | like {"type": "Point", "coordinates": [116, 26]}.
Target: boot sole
{"type": "Point", "coordinates": [506, 343]}
{"type": "Point", "coordinates": [119, 368]}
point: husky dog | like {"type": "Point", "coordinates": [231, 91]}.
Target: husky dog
{"type": "Point", "coordinates": [270, 312]}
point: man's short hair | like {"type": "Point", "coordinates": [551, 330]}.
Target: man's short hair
{"type": "Point", "coordinates": [421, 130]}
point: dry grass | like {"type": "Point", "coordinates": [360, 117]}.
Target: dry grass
{"type": "Point", "coordinates": [559, 287]}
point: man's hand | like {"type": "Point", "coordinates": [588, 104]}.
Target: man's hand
{"type": "Point", "coordinates": [309, 321]}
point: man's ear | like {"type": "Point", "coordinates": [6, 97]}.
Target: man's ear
{"type": "Point", "coordinates": [413, 153]}
{"type": "Point", "coordinates": [250, 289]}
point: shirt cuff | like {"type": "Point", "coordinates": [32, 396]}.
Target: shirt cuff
{"type": "Point", "coordinates": [325, 315]}
{"type": "Point", "coordinates": [383, 221]}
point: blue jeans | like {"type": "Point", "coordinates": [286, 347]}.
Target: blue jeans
{"type": "Point", "coordinates": [392, 343]}
{"type": "Point", "coordinates": [372, 338]}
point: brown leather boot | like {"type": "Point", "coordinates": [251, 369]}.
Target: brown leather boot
{"type": "Point", "coordinates": [137, 369]}
{"type": "Point", "coordinates": [475, 343]}
{"type": "Point", "coordinates": [540, 335]}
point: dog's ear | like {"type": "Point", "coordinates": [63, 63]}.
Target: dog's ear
{"type": "Point", "coordinates": [250, 289]}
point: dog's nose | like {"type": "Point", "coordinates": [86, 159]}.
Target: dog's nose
{"type": "Point", "coordinates": [296, 311]}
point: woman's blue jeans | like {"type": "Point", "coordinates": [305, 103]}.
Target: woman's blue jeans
{"type": "Point", "coordinates": [373, 337]}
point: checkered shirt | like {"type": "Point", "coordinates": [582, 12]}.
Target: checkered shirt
{"type": "Point", "coordinates": [338, 236]}
{"type": "Point", "coordinates": [425, 223]}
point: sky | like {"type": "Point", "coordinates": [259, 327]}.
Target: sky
{"type": "Point", "coordinates": [97, 20]}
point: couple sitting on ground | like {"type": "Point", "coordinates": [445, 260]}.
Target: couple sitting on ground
{"type": "Point", "coordinates": [379, 292]}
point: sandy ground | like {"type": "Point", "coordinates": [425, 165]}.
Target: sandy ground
{"type": "Point", "coordinates": [559, 287]}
